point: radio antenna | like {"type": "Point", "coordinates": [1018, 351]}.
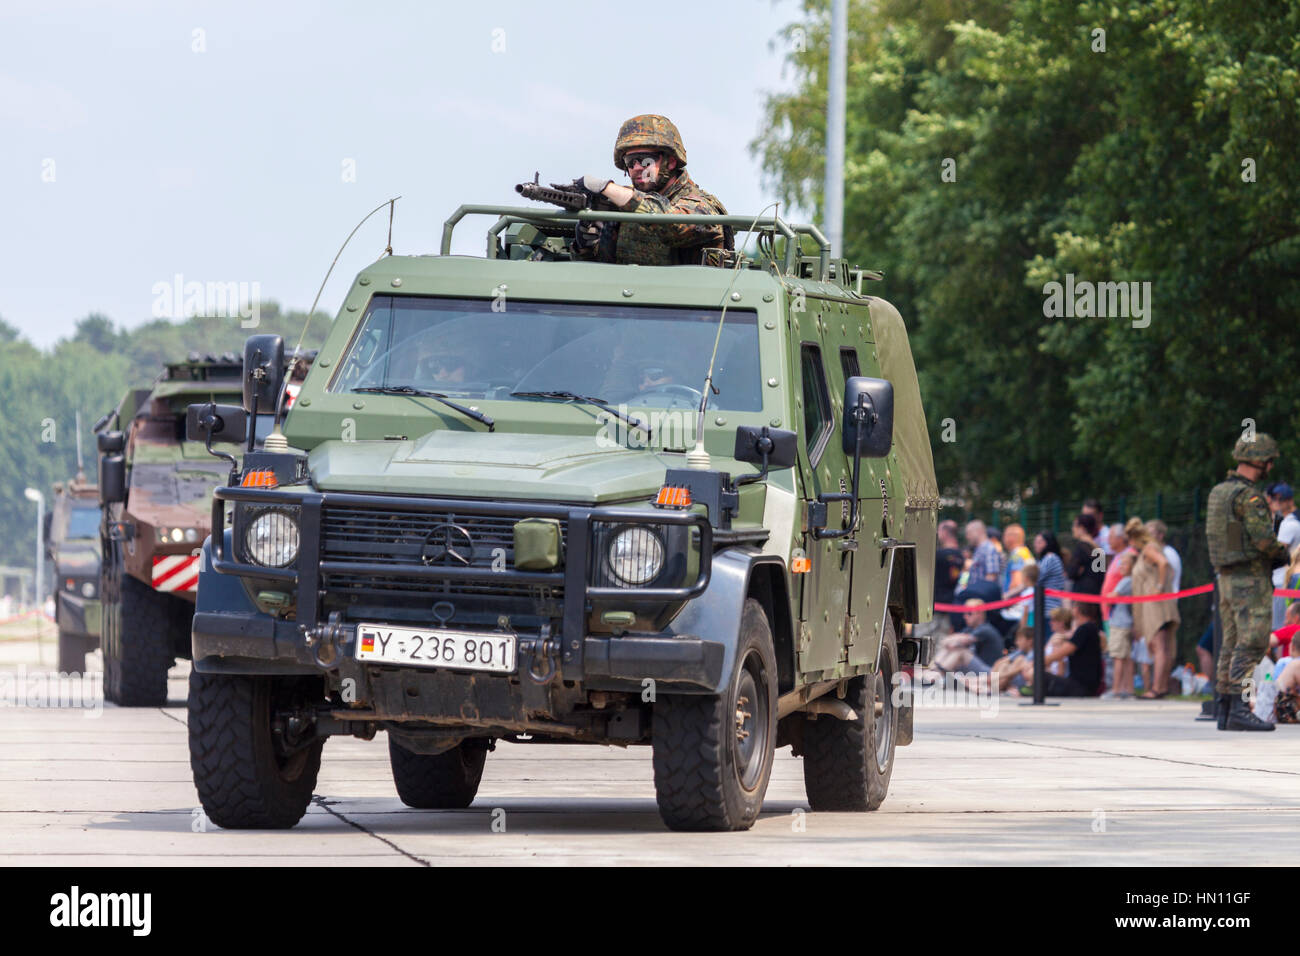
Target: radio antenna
{"type": "Point", "coordinates": [698, 458]}
{"type": "Point", "coordinates": [297, 351]}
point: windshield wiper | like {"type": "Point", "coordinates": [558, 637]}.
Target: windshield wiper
{"type": "Point", "coordinates": [590, 400]}
{"type": "Point", "coordinates": [413, 391]}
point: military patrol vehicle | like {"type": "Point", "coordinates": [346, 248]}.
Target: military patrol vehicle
{"type": "Point", "coordinates": [155, 489]}
{"type": "Point", "coordinates": [544, 501]}
{"type": "Point", "coordinates": [73, 549]}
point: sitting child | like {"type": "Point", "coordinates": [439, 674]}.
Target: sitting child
{"type": "Point", "coordinates": [1016, 670]}
{"type": "Point", "coordinates": [1062, 623]}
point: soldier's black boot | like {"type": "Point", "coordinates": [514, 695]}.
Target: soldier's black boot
{"type": "Point", "coordinates": [1222, 704]}
{"type": "Point", "coordinates": [1240, 717]}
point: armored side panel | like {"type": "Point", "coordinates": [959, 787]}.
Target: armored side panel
{"type": "Point", "coordinates": [911, 446]}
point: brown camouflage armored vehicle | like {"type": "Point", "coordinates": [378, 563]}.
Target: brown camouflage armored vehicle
{"type": "Point", "coordinates": [156, 496]}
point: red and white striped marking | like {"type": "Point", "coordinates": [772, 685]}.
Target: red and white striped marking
{"type": "Point", "coordinates": [176, 572]}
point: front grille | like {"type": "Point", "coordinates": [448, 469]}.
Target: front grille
{"type": "Point", "coordinates": [399, 539]}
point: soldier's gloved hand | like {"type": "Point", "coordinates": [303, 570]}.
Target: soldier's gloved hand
{"type": "Point", "coordinates": [595, 184]}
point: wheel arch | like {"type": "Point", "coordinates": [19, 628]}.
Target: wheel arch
{"type": "Point", "coordinates": [739, 574]}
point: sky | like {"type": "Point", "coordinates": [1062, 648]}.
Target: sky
{"type": "Point", "coordinates": [240, 142]}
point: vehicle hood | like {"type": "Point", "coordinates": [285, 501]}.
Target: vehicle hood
{"type": "Point", "coordinates": [491, 465]}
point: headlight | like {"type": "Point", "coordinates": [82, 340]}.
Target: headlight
{"type": "Point", "coordinates": [88, 589]}
{"type": "Point", "coordinates": [272, 539]}
{"type": "Point", "coordinates": [635, 556]}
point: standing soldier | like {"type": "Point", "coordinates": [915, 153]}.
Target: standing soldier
{"type": "Point", "coordinates": [650, 149]}
{"type": "Point", "coordinates": [1243, 552]}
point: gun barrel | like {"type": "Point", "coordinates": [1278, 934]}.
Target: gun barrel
{"type": "Point", "coordinates": [559, 197]}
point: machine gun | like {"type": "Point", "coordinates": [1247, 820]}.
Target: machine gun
{"type": "Point", "coordinates": [571, 196]}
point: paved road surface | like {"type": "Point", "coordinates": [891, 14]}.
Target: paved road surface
{"type": "Point", "coordinates": [1088, 782]}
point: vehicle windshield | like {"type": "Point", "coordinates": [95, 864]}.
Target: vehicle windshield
{"type": "Point", "coordinates": [633, 355]}
{"type": "Point", "coordinates": [83, 523]}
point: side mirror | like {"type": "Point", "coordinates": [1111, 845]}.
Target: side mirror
{"type": "Point", "coordinates": [878, 436]}
{"type": "Point", "coordinates": [112, 478]}
{"type": "Point", "coordinates": [110, 443]}
{"type": "Point", "coordinates": [228, 423]}
{"type": "Point", "coordinates": [781, 446]}
{"type": "Point", "coordinates": [263, 372]}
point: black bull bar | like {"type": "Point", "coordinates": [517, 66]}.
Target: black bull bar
{"type": "Point", "coordinates": [579, 593]}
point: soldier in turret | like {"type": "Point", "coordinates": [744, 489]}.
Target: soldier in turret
{"type": "Point", "coordinates": [1243, 551]}
{"type": "Point", "coordinates": [650, 149]}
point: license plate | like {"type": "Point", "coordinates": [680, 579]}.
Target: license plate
{"type": "Point", "coordinates": [437, 647]}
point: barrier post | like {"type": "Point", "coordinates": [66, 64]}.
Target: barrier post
{"type": "Point", "coordinates": [1040, 642]}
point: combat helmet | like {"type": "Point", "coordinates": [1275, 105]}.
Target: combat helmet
{"type": "Point", "coordinates": [1256, 452]}
{"type": "Point", "coordinates": [651, 130]}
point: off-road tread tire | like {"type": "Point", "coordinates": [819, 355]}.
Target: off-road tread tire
{"type": "Point", "coordinates": [232, 758]}
{"type": "Point", "coordinates": [72, 652]}
{"type": "Point", "coordinates": [445, 781]}
{"type": "Point", "coordinates": [690, 746]}
{"type": "Point", "coordinates": [839, 756]}
{"type": "Point", "coordinates": [137, 662]}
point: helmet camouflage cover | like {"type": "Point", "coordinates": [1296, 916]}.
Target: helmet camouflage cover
{"type": "Point", "coordinates": [649, 130]}
{"type": "Point", "coordinates": [1256, 452]}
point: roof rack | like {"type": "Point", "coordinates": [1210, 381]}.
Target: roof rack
{"type": "Point", "coordinates": [508, 215]}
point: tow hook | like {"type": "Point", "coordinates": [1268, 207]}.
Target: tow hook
{"type": "Point", "coordinates": [327, 642]}
{"type": "Point", "coordinates": [541, 650]}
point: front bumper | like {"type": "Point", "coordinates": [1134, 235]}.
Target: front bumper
{"type": "Point", "coordinates": [251, 642]}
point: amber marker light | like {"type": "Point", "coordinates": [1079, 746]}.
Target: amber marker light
{"type": "Point", "coordinates": [260, 478]}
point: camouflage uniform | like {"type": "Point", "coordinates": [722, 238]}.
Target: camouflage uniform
{"type": "Point", "coordinates": [675, 192]}
{"type": "Point", "coordinates": [1243, 550]}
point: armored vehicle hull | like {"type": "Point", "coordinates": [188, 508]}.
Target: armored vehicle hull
{"type": "Point", "coordinates": [73, 547]}
{"type": "Point", "coordinates": [498, 518]}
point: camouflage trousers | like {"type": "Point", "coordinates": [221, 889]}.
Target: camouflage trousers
{"type": "Point", "coordinates": [1246, 611]}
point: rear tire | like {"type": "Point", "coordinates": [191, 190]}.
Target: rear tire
{"type": "Point", "coordinates": [139, 624]}
{"type": "Point", "coordinates": [72, 652]}
{"type": "Point", "coordinates": [847, 763]}
{"type": "Point", "coordinates": [445, 781]}
{"type": "Point", "coordinates": [246, 777]}
{"type": "Point", "coordinates": [713, 755]}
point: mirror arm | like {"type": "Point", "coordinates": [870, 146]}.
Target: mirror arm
{"type": "Point", "coordinates": [765, 445]}
{"type": "Point", "coordinates": [209, 418]}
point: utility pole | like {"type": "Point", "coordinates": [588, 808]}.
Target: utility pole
{"type": "Point", "coordinates": [837, 78]}
{"type": "Point", "coordinates": [33, 494]}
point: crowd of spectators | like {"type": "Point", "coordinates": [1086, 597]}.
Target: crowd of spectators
{"type": "Point", "coordinates": [1106, 649]}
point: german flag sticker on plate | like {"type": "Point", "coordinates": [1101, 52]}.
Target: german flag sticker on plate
{"type": "Point", "coordinates": [367, 642]}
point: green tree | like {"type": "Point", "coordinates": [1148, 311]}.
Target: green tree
{"type": "Point", "coordinates": [97, 331]}
{"type": "Point", "coordinates": [994, 148]}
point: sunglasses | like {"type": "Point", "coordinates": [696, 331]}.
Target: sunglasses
{"type": "Point", "coordinates": [640, 160]}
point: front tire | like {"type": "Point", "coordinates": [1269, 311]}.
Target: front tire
{"type": "Point", "coordinates": [248, 776]}
{"type": "Point", "coordinates": [847, 763]}
{"type": "Point", "coordinates": [445, 781]}
{"type": "Point", "coordinates": [138, 627]}
{"type": "Point", "coordinates": [713, 755]}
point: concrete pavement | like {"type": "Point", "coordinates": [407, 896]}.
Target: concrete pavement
{"type": "Point", "coordinates": [1087, 782]}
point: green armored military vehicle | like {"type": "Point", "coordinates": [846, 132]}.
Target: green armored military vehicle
{"type": "Point", "coordinates": [156, 494]}
{"type": "Point", "coordinates": [530, 499]}
{"type": "Point", "coordinates": [73, 548]}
